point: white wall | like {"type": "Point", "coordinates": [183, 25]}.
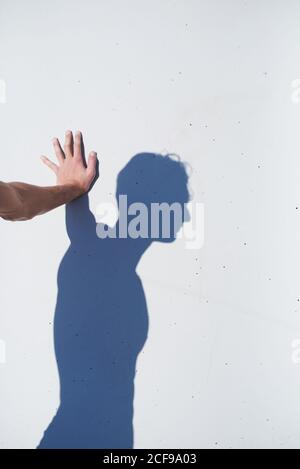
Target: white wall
{"type": "Point", "coordinates": [211, 81]}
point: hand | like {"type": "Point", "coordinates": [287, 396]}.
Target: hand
{"type": "Point", "coordinates": [72, 168]}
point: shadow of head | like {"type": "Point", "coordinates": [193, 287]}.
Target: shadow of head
{"type": "Point", "coordinates": [155, 188]}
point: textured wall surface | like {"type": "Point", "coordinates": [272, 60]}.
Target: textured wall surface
{"type": "Point", "coordinates": [215, 82]}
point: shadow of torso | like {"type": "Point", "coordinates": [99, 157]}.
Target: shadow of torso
{"type": "Point", "coordinates": [101, 325]}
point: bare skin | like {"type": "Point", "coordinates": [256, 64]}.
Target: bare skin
{"type": "Point", "coordinates": [21, 201]}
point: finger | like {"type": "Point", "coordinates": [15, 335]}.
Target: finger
{"type": "Point", "coordinates": [92, 163]}
{"type": "Point", "coordinates": [49, 163]}
{"type": "Point", "coordinates": [58, 150]}
{"type": "Point", "coordinates": [78, 145]}
{"type": "Point", "coordinates": [68, 146]}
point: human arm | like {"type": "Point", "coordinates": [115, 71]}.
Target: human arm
{"type": "Point", "coordinates": [21, 201]}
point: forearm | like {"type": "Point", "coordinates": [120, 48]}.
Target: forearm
{"type": "Point", "coordinates": [25, 201]}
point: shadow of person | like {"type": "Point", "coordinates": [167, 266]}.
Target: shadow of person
{"type": "Point", "coordinates": [101, 318]}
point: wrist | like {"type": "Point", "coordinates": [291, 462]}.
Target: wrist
{"type": "Point", "coordinates": [73, 190]}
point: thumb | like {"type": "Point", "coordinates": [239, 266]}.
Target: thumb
{"type": "Point", "coordinates": [49, 163]}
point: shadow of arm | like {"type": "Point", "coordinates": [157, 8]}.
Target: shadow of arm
{"type": "Point", "coordinates": [80, 222]}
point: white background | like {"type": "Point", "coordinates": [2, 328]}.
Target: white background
{"type": "Point", "coordinates": [212, 81]}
